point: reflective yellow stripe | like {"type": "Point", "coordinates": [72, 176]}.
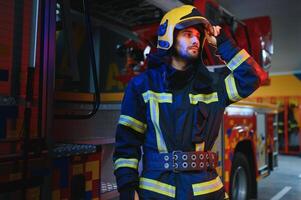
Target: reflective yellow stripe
{"type": "Point", "coordinates": [158, 187]}
{"type": "Point", "coordinates": [132, 123]}
{"type": "Point", "coordinates": [154, 99]}
{"type": "Point", "coordinates": [231, 88]}
{"type": "Point", "coordinates": [207, 187]}
{"type": "Point", "coordinates": [239, 58]}
{"type": "Point", "coordinates": [126, 162]}
{"type": "Point", "coordinates": [206, 98]}
{"type": "Point", "coordinates": [293, 125]}
{"type": "Point", "coordinates": [227, 179]}
{"type": "Point", "coordinates": [226, 196]}
{"type": "Point", "coordinates": [158, 97]}
{"type": "Point", "coordinates": [154, 110]}
{"type": "Point", "coordinates": [200, 146]}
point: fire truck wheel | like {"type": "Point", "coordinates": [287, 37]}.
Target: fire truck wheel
{"type": "Point", "coordinates": [240, 181]}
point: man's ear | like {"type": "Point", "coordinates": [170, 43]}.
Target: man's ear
{"type": "Point", "coordinates": [173, 50]}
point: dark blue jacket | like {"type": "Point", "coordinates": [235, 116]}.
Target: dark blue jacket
{"type": "Point", "coordinates": [165, 110]}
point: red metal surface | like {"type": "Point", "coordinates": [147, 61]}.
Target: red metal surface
{"type": "Point", "coordinates": [6, 43]}
{"type": "Point", "coordinates": [233, 135]}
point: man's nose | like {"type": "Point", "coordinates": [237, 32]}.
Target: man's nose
{"type": "Point", "coordinates": [195, 40]}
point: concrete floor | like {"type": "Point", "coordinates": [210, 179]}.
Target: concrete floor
{"type": "Point", "coordinates": [284, 182]}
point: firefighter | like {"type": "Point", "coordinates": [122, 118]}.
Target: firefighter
{"type": "Point", "coordinates": [174, 110]}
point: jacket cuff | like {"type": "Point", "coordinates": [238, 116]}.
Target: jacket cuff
{"type": "Point", "coordinates": [126, 178]}
{"type": "Point", "coordinates": [221, 38]}
{"type": "Point", "coordinates": [227, 50]}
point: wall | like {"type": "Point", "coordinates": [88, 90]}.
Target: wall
{"type": "Point", "coordinates": [286, 28]}
{"type": "Point", "coordinates": [281, 85]}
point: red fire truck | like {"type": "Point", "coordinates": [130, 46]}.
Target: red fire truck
{"type": "Point", "coordinates": [63, 69]}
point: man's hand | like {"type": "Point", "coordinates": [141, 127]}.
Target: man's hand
{"type": "Point", "coordinates": [136, 196]}
{"type": "Point", "coordinates": [211, 34]}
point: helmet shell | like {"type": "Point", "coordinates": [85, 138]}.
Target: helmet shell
{"type": "Point", "coordinates": [178, 18]}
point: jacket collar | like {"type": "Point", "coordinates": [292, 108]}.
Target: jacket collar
{"type": "Point", "coordinates": [199, 75]}
{"type": "Point", "coordinates": [203, 80]}
{"type": "Point", "coordinates": [176, 79]}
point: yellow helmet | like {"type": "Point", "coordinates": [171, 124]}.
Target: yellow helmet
{"type": "Point", "coordinates": [179, 18]}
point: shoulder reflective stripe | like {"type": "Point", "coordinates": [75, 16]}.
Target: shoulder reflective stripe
{"type": "Point", "coordinates": [154, 112]}
{"type": "Point", "coordinates": [207, 187]}
{"type": "Point", "coordinates": [206, 98]}
{"type": "Point", "coordinates": [159, 97]}
{"type": "Point", "coordinates": [239, 58]}
{"type": "Point", "coordinates": [231, 88]}
{"type": "Point", "coordinates": [158, 187]}
{"type": "Point", "coordinates": [126, 162]}
{"type": "Point", "coordinates": [132, 123]}
{"type": "Point", "coordinates": [154, 99]}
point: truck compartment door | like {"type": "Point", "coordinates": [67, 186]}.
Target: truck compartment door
{"type": "Point", "coordinates": [261, 150]}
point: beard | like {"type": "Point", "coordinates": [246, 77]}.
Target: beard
{"type": "Point", "coordinates": [188, 54]}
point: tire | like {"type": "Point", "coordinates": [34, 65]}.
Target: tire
{"type": "Point", "coordinates": [240, 180]}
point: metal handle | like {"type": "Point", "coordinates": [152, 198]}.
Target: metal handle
{"type": "Point", "coordinates": [34, 34]}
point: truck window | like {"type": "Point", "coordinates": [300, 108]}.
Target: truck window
{"type": "Point", "coordinates": [118, 58]}
{"type": "Point", "coordinates": [73, 71]}
{"type": "Point", "coordinates": [213, 14]}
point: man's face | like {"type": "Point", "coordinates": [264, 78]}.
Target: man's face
{"type": "Point", "coordinates": [188, 43]}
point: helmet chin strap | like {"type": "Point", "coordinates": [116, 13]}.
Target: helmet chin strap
{"type": "Point", "coordinates": [201, 52]}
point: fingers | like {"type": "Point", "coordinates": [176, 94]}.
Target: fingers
{"type": "Point", "coordinates": [213, 30]}
{"type": "Point", "coordinates": [211, 33]}
{"type": "Point", "coordinates": [216, 30]}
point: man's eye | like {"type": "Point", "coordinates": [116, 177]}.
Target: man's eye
{"type": "Point", "coordinates": [187, 34]}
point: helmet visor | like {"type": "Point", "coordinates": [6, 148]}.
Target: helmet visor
{"type": "Point", "coordinates": [201, 21]}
